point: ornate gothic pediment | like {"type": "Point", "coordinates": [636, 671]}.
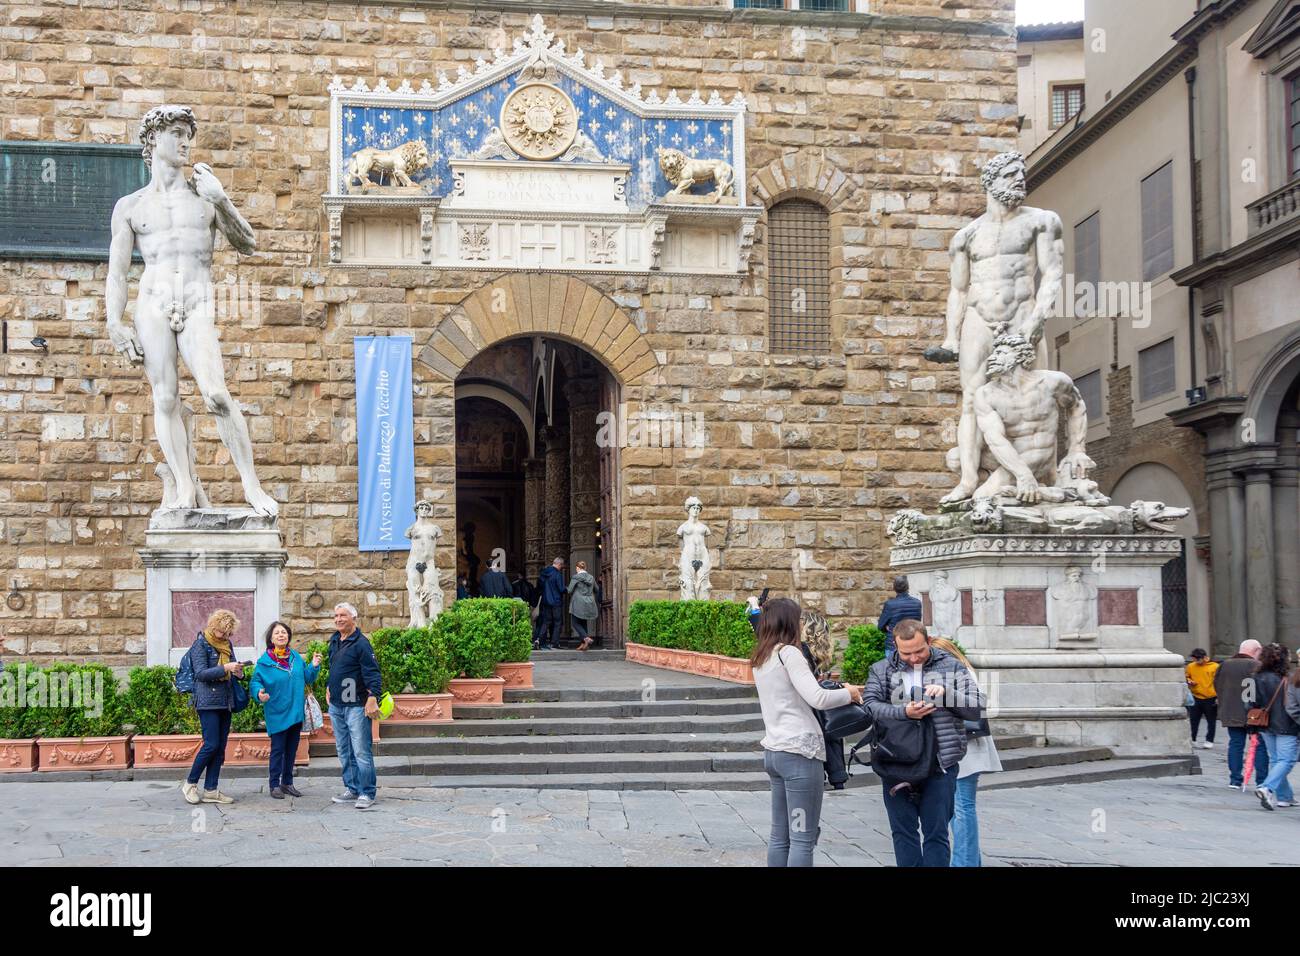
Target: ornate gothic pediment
{"type": "Point", "coordinates": [522, 160]}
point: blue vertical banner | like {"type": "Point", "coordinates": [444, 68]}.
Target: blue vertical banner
{"type": "Point", "coordinates": [385, 442]}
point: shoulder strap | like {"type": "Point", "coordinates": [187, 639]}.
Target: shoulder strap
{"type": "Point", "coordinates": [1280, 684]}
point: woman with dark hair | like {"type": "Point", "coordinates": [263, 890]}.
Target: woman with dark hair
{"type": "Point", "coordinates": [1275, 694]}
{"type": "Point", "coordinates": [280, 682]}
{"type": "Point", "coordinates": [793, 746]}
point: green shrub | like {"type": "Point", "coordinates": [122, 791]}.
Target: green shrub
{"type": "Point", "coordinates": [414, 661]}
{"type": "Point", "coordinates": [79, 700]}
{"type": "Point", "coordinates": [13, 718]}
{"type": "Point", "coordinates": [710, 627]}
{"type": "Point", "coordinates": [512, 625]}
{"type": "Point", "coordinates": [248, 720]}
{"type": "Point", "coordinates": [471, 634]}
{"type": "Point", "coordinates": [866, 646]}
{"type": "Point", "coordinates": [153, 706]}
{"type": "Point", "coordinates": [323, 678]}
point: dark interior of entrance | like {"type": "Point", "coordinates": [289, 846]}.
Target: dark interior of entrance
{"type": "Point", "coordinates": [532, 480]}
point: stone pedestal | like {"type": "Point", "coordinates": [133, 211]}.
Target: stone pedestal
{"type": "Point", "coordinates": [1072, 658]}
{"type": "Point", "coordinates": [197, 561]}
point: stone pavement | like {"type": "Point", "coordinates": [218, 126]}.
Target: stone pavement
{"type": "Point", "coordinates": [1173, 821]}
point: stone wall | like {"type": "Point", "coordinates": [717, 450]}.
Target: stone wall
{"type": "Point", "coordinates": [807, 455]}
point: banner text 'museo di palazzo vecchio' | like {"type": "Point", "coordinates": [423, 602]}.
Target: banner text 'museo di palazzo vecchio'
{"type": "Point", "coordinates": [385, 442]}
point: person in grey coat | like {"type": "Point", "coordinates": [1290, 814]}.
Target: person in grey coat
{"type": "Point", "coordinates": [921, 682]}
{"type": "Point", "coordinates": [582, 603]}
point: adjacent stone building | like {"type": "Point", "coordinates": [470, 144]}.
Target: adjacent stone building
{"type": "Point", "coordinates": [779, 336]}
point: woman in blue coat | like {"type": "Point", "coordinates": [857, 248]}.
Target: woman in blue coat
{"type": "Point", "coordinates": [280, 683]}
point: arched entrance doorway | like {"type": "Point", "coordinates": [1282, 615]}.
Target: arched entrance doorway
{"type": "Point", "coordinates": [534, 479]}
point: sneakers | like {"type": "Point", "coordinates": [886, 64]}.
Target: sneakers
{"type": "Point", "coordinates": [364, 803]}
{"type": "Point", "coordinates": [277, 793]}
{"type": "Point", "coordinates": [1206, 746]}
{"type": "Point", "coordinates": [216, 796]}
{"type": "Point", "coordinates": [1266, 798]}
{"type": "Point", "coordinates": [347, 796]}
{"type": "Point", "coordinates": [190, 791]}
{"type": "Point", "coordinates": [1285, 803]}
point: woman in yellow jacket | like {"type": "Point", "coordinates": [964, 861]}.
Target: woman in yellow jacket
{"type": "Point", "coordinates": [1205, 701]}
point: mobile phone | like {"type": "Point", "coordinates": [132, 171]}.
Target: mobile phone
{"type": "Point", "coordinates": [763, 597]}
{"type": "Point", "coordinates": [245, 663]}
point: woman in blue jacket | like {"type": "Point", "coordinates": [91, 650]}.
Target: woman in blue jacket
{"type": "Point", "coordinates": [280, 683]}
{"type": "Point", "coordinates": [212, 657]}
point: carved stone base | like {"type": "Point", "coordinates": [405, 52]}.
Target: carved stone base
{"type": "Point", "coordinates": [1075, 657]}
{"type": "Point", "coordinates": [199, 560]}
{"type": "Point", "coordinates": [699, 199]}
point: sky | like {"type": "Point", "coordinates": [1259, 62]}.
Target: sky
{"type": "Point", "coordinates": [1048, 11]}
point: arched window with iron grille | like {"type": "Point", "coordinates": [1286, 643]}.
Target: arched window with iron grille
{"type": "Point", "coordinates": [799, 277]}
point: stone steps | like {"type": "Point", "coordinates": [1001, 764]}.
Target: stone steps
{"type": "Point", "coordinates": [611, 709]}
{"type": "Point", "coordinates": [689, 724]}
{"type": "Point", "coordinates": [548, 695]}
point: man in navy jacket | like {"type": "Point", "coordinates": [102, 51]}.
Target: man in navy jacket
{"type": "Point", "coordinates": [551, 585]}
{"type": "Point", "coordinates": [354, 690]}
{"type": "Point", "coordinates": [900, 607]}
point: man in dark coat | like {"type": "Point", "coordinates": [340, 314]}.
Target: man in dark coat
{"type": "Point", "coordinates": [494, 584]}
{"type": "Point", "coordinates": [1235, 685]}
{"type": "Point", "coordinates": [900, 607]}
{"type": "Point", "coordinates": [551, 585]}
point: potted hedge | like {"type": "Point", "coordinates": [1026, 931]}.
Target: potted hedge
{"type": "Point", "coordinates": [865, 646]}
{"type": "Point", "coordinates": [472, 635]}
{"type": "Point", "coordinates": [77, 716]}
{"type": "Point", "coordinates": [17, 743]}
{"type": "Point", "coordinates": [514, 634]}
{"type": "Point", "coordinates": [711, 638]}
{"type": "Point", "coordinates": [322, 683]}
{"type": "Point", "coordinates": [165, 726]}
{"type": "Point", "coordinates": [416, 665]}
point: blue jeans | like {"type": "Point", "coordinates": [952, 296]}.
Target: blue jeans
{"type": "Point", "coordinates": [1281, 758]}
{"type": "Point", "coordinates": [284, 747]}
{"type": "Point", "coordinates": [925, 817]}
{"type": "Point", "coordinates": [796, 807]}
{"type": "Point", "coordinates": [965, 825]}
{"type": "Point", "coordinates": [216, 730]}
{"type": "Point", "coordinates": [352, 741]}
{"type": "Point", "coordinates": [1237, 740]}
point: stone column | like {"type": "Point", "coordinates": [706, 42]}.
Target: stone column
{"type": "Point", "coordinates": [1286, 534]}
{"type": "Point", "coordinates": [555, 506]}
{"type": "Point", "coordinates": [1219, 485]}
{"type": "Point", "coordinates": [1236, 565]}
{"type": "Point", "coordinates": [534, 506]}
{"type": "Point", "coordinates": [584, 473]}
{"type": "Point", "coordinates": [1261, 586]}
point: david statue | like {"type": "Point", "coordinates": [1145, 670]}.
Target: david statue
{"type": "Point", "coordinates": [173, 222]}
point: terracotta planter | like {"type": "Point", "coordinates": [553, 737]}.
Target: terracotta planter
{"type": "Point", "coordinates": [736, 670]}
{"type": "Point", "coordinates": [516, 674]}
{"type": "Point", "coordinates": [17, 756]}
{"type": "Point", "coordinates": [635, 653]}
{"type": "Point", "coordinates": [83, 753]}
{"type": "Point", "coordinates": [683, 661]}
{"type": "Point", "coordinates": [477, 692]}
{"type": "Point", "coordinates": [662, 657]}
{"type": "Point", "coordinates": [166, 750]}
{"type": "Point", "coordinates": [707, 665]}
{"type": "Point", "coordinates": [327, 730]}
{"type": "Point", "coordinates": [254, 750]}
{"type": "Point", "coordinates": [421, 709]}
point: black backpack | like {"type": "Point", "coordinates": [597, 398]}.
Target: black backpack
{"type": "Point", "coordinates": [903, 751]}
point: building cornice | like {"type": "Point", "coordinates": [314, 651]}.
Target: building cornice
{"type": "Point", "coordinates": [1130, 98]}
{"type": "Point", "coordinates": [1042, 32]}
{"type": "Point", "coordinates": [639, 11]}
{"type": "Point", "coordinates": [1207, 18]}
{"type": "Point", "coordinates": [1281, 238]}
{"type": "Point", "coordinates": [1206, 416]}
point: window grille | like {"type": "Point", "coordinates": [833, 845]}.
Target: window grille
{"type": "Point", "coordinates": [798, 269]}
{"type": "Point", "coordinates": [1067, 102]}
{"type": "Point", "coordinates": [1173, 588]}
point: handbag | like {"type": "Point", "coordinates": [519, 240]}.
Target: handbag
{"type": "Point", "coordinates": [1257, 717]}
{"type": "Point", "coordinates": [240, 695]}
{"type": "Point", "coordinates": [978, 728]}
{"type": "Point", "coordinates": [312, 718]}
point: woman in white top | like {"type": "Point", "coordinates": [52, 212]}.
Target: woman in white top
{"type": "Point", "coordinates": [981, 757]}
{"type": "Point", "coordinates": [793, 746]}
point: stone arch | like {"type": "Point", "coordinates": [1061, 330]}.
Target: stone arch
{"type": "Point", "coordinates": [803, 175]}
{"type": "Point", "coordinates": [1172, 459]}
{"type": "Point", "coordinates": [560, 306]}
{"type": "Point", "coordinates": [1275, 378]}
{"type": "Point", "coordinates": [506, 398]}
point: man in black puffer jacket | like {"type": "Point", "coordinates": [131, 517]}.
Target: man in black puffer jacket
{"type": "Point", "coordinates": [923, 683]}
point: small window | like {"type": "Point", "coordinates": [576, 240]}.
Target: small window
{"type": "Point", "coordinates": [1067, 103]}
{"type": "Point", "coordinates": [798, 277]}
{"type": "Point", "coordinates": [1173, 591]}
{"type": "Point", "coordinates": [1089, 387]}
{"type": "Point", "coordinates": [1158, 223]}
{"type": "Point", "coordinates": [1293, 122]}
{"type": "Point", "coordinates": [1156, 371]}
{"type": "Point", "coordinates": [1087, 264]}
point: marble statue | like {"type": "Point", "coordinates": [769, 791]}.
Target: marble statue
{"type": "Point", "coordinates": [945, 606]}
{"type": "Point", "coordinates": [398, 163]}
{"type": "Point", "coordinates": [993, 263]}
{"type": "Point", "coordinates": [1017, 412]}
{"type": "Point", "coordinates": [694, 564]}
{"type": "Point", "coordinates": [1076, 606]}
{"type": "Point", "coordinates": [683, 172]}
{"type": "Point", "coordinates": [173, 222]}
{"type": "Point", "coordinates": [422, 584]}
